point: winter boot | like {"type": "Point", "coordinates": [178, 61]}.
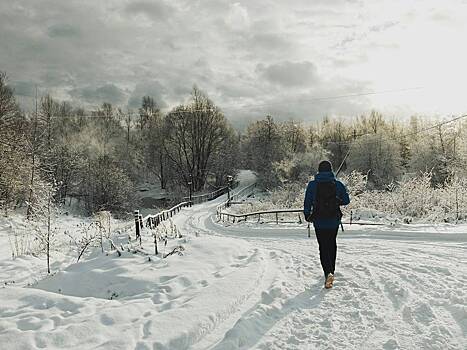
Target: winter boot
{"type": "Point", "coordinates": [329, 281]}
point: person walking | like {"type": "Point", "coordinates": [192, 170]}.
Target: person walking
{"type": "Point", "coordinates": [323, 197]}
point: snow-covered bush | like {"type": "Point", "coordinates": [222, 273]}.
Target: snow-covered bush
{"type": "Point", "coordinates": [299, 166]}
{"type": "Point", "coordinates": [163, 232]}
{"type": "Point", "coordinates": [87, 235]}
{"type": "Point", "coordinates": [381, 163]}
{"type": "Point", "coordinates": [20, 238]}
{"type": "Point", "coordinates": [411, 199]}
{"type": "Point", "coordinates": [104, 218]}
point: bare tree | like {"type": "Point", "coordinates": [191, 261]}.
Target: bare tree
{"type": "Point", "coordinates": [153, 139]}
{"type": "Point", "coordinates": [226, 160]}
{"type": "Point", "coordinates": [193, 134]}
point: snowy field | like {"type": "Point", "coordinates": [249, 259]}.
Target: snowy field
{"type": "Point", "coordinates": [243, 286]}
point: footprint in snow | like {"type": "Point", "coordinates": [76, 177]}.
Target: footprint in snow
{"type": "Point", "coordinates": [106, 320]}
{"type": "Point", "coordinates": [164, 279]}
{"type": "Point", "coordinates": [203, 283]}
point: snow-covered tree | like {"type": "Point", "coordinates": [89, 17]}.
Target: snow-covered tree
{"type": "Point", "coordinates": [13, 170]}
{"type": "Point", "coordinates": [378, 156]}
{"type": "Point", "coordinates": [43, 213]}
{"type": "Point", "coordinates": [264, 146]}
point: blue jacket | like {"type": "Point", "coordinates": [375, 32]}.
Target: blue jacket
{"type": "Point", "coordinates": [341, 193]}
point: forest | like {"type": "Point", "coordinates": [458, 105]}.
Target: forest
{"type": "Point", "coordinates": [59, 153]}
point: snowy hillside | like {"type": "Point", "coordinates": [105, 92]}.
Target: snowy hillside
{"type": "Point", "coordinates": [244, 286]}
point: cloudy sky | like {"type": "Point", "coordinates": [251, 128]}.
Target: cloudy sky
{"type": "Point", "coordinates": [301, 59]}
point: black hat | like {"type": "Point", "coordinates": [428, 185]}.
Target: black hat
{"type": "Point", "coordinates": [324, 165]}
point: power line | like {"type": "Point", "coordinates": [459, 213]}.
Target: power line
{"type": "Point", "coordinates": [253, 106]}
{"type": "Point", "coordinates": [403, 136]}
{"type": "Point", "coordinates": [313, 99]}
{"type": "Point", "coordinates": [436, 125]}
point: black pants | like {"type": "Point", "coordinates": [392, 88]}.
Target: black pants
{"type": "Point", "coordinates": [327, 248]}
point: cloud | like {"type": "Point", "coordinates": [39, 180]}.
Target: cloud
{"type": "Point", "coordinates": [24, 88]}
{"type": "Point", "coordinates": [289, 74]}
{"type": "Point", "coordinates": [238, 18]}
{"type": "Point", "coordinates": [239, 52]}
{"type": "Point", "coordinates": [63, 30]}
{"type": "Point", "coordinates": [106, 93]}
{"type": "Point", "coordinates": [383, 26]}
{"type": "Point", "coordinates": [153, 89]}
{"type": "Point", "coordinates": [271, 41]}
{"type": "Point", "coordinates": [155, 10]}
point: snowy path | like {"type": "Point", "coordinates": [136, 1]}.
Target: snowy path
{"type": "Point", "coordinates": [389, 296]}
{"type": "Point", "coordinates": [395, 288]}
{"type": "Point", "coordinates": [252, 286]}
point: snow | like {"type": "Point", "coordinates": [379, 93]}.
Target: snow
{"type": "Point", "coordinates": [242, 286]}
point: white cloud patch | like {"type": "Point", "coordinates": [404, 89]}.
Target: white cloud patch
{"type": "Point", "coordinates": [238, 18]}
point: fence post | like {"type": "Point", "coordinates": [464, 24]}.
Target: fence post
{"type": "Point", "coordinates": [277, 218]}
{"type": "Point", "coordinates": [140, 217]}
{"type": "Point", "coordinates": [137, 224]}
{"type": "Point", "coordinates": [155, 244]}
{"type": "Point", "coordinates": [351, 217]}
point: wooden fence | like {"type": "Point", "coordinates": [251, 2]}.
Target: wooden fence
{"type": "Point", "coordinates": [212, 195]}
{"type": "Point", "coordinates": [246, 191]}
{"type": "Point", "coordinates": [152, 221]}
{"type": "Point", "coordinates": [275, 212]}
{"type": "Point", "coordinates": [239, 217]}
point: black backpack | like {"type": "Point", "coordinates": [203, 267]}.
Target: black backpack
{"type": "Point", "coordinates": [325, 204]}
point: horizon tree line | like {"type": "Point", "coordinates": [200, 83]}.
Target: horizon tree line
{"type": "Point", "coordinates": [97, 158]}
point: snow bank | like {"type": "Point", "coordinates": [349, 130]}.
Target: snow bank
{"type": "Point", "coordinates": [247, 286]}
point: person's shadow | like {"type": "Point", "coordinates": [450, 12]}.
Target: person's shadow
{"type": "Point", "coordinates": [258, 320]}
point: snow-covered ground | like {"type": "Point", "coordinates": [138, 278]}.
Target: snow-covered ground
{"type": "Point", "coordinates": [244, 286]}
